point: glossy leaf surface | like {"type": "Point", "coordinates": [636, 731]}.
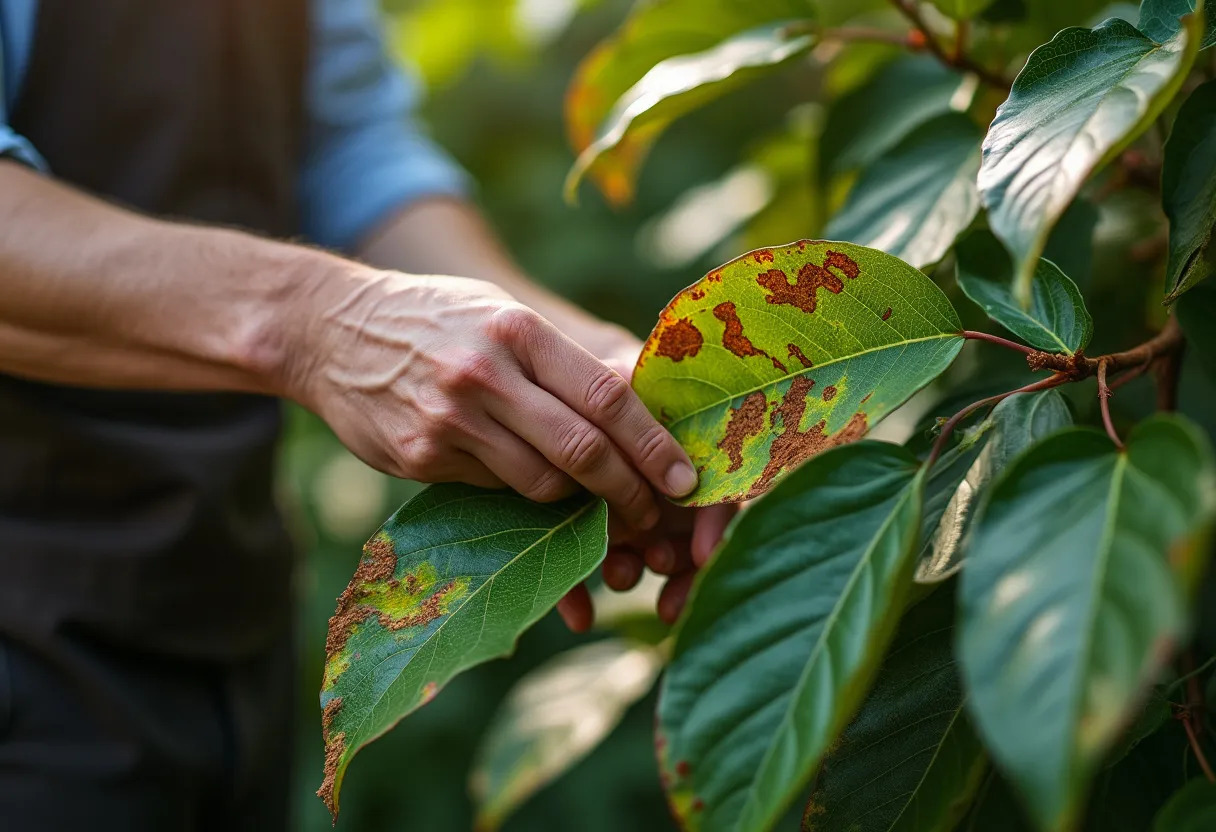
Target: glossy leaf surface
{"type": "Point", "coordinates": [450, 581]}
{"type": "Point", "coordinates": [909, 761]}
{"type": "Point", "coordinates": [1188, 191]}
{"type": "Point", "coordinates": [1162, 19]}
{"type": "Point", "coordinates": [786, 352]}
{"type": "Point", "coordinates": [1192, 809]}
{"type": "Point", "coordinates": [783, 632]}
{"type": "Point", "coordinates": [1056, 319]}
{"type": "Point", "coordinates": [1080, 100]}
{"type": "Point", "coordinates": [915, 200]}
{"type": "Point", "coordinates": [1075, 592]}
{"type": "Point", "coordinates": [553, 718]}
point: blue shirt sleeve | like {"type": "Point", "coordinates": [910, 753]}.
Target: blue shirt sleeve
{"type": "Point", "coordinates": [364, 156]}
{"type": "Point", "coordinates": [16, 29]}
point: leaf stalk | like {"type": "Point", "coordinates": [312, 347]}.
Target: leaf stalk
{"type": "Point", "coordinates": [958, 61]}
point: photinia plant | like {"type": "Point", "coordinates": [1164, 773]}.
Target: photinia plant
{"type": "Point", "coordinates": [994, 625]}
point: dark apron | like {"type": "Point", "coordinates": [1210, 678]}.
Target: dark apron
{"type": "Point", "coordinates": [139, 519]}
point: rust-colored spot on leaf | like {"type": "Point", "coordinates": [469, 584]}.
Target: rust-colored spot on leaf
{"type": "Point", "coordinates": [680, 340]}
{"type": "Point", "coordinates": [714, 276]}
{"type": "Point", "coordinates": [697, 294]}
{"type": "Point", "coordinates": [792, 445]}
{"type": "Point", "coordinates": [866, 397]}
{"type": "Point", "coordinates": [886, 314]}
{"type": "Point", "coordinates": [377, 565]}
{"type": "Point", "coordinates": [429, 691]}
{"type": "Point", "coordinates": [811, 277]}
{"type": "Point", "coordinates": [335, 747]}
{"type": "Point", "coordinates": [745, 421]}
{"type": "Point", "coordinates": [734, 339]}
{"type": "Point", "coordinates": [796, 352]}
{"type": "Point", "coordinates": [829, 393]}
{"type": "Point", "coordinates": [698, 804]}
{"type": "Point", "coordinates": [683, 769]}
{"type": "Point", "coordinates": [427, 611]}
{"type": "Point", "coordinates": [328, 714]}
{"type": "Point", "coordinates": [762, 256]}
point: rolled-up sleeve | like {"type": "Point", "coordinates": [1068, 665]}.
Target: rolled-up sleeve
{"type": "Point", "coordinates": [13, 146]}
{"type": "Point", "coordinates": [365, 157]}
{"type": "Point", "coordinates": [16, 28]}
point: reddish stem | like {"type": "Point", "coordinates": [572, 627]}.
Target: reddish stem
{"type": "Point", "coordinates": [1104, 395]}
{"type": "Point", "coordinates": [1197, 748]}
{"type": "Point", "coordinates": [972, 335]}
{"type": "Point", "coordinates": [964, 62]}
{"type": "Point", "coordinates": [868, 34]}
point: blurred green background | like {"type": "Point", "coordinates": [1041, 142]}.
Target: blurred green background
{"type": "Point", "coordinates": [496, 71]}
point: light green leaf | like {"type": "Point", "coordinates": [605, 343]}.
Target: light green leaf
{"type": "Point", "coordinates": [1076, 589]}
{"type": "Point", "coordinates": [1078, 102]}
{"type": "Point", "coordinates": [915, 200]}
{"type": "Point", "coordinates": [1162, 19]}
{"type": "Point", "coordinates": [870, 120]}
{"type": "Point", "coordinates": [1056, 319]}
{"type": "Point", "coordinates": [450, 581]}
{"type": "Point", "coordinates": [961, 9]}
{"type": "Point", "coordinates": [909, 761]}
{"type": "Point", "coordinates": [677, 86]}
{"type": "Point", "coordinates": [783, 633]}
{"type": "Point", "coordinates": [553, 718]}
{"type": "Point", "coordinates": [1192, 809]}
{"type": "Point", "coordinates": [1188, 191]}
{"type": "Point", "coordinates": [789, 351]}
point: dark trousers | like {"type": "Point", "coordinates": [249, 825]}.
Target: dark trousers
{"type": "Point", "coordinates": [92, 737]}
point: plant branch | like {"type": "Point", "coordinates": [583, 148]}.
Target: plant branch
{"type": "Point", "coordinates": [972, 335]}
{"type": "Point", "coordinates": [1192, 712]}
{"type": "Point", "coordinates": [1166, 342]}
{"type": "Point", "coordinates": [868, 34]}
{"type": "Point", "coordinates": [1104, 395]}
{"type": "Point", "coordinates": [1198, 749]}
{"type": "Point", "coordinates": [959, 61]}
{"type": "Point", "coordinates": [1168, 369]}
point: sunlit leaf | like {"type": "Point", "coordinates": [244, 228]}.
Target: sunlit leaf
{"type": "Point", "coordinates": [1079, 101]}
{"type": "Point", "coordinates": [916, 199]}
{"type": "Point", "coordinates": [1075, 592]}
{"type": "Point", "coordinates": [910, 760]}
{"type": "Point", "coordinates": [450, 581]}
{"type": "Point", "coordinates": [655, 31]}
{"type": "Point", "coordinates": [1192, 809]}
{"type": "Point", "coordinates": [961, 9]}
{"type": "Point", "coordinates": [1188, 191]}
{"type": "Point", "coordinates": [1162, 19]}
{"type": "Point", "coordinates": [783, 632]}
{"type": "Point", "coordinates": [789, 351]}
{"type": "Point", "coordinates": [1056, 319]}
{"type": "Point", "coordinates": [680, 85]}
{"type": "Point", "coordinates": [554, 717]}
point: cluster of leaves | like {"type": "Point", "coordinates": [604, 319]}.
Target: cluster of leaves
{"type": "Point", "coordinates": [976, 629]}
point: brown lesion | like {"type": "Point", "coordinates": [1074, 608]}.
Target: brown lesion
{"type": "Point", "coordinates": [796, 352]}
{"type": "Point", "coordinates": [427, 611]}
{"type": "Point", "coordinates": [378, 564]}
{"type": "Point", "coordinates": [764, 255]}
{"type": "Point", "coordinates": [335, 747]}
{"type": "Point", "coordinates": [886, 315]}
{"type": "Point", "coordinates": [745, 421]}
{"type": "Point", "coordinates": [734, 339]}
{"type": "Point", "coordinates": [803, 292]}
{"type": "Point", "coordinates": [829, 393]}
{"type": "Point", "coordinates": [679, 340]}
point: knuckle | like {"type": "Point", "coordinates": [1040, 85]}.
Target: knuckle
{"type": "Point", "coordinates": [473, 371]}
{"type": "Point", "coordinates": [652, 444]}
{"type": "Point", "coordinates": [608, 394]}
{"type": "Point", "coordinates": [423, 458]}
{"type": "Point", "coordinates": [545, 487]}
{"type": "Point", "coordinates": [583, 448]}
{"type": "Point", "coordinates": [512, 325]}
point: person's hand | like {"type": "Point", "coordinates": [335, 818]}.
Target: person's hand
{"type": "Point", "coordinates": [441, 379]}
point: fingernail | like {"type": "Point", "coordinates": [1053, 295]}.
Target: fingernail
{"type": "Point", "coordinates": [681, 479]}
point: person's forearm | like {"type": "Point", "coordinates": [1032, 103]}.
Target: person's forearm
{"type": "Point", "coordinates": [94, 295]}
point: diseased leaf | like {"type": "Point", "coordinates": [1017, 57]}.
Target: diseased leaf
{"type": "Point", "coordinates": [1192, 809]}
{"type": "Point", "coordinates": [910, 760]}
{"type": "Point", "coordinates": [450, 581]}
{"type": "Point", "coordinates": [1079, 101]}
{"type": "Point", "coordinates": [915, 200]}
{"type": "Point", "coordinates": [1188, 191]}
{"type": "Point", "coordinates": [961, 9]}
{"type": "Point", "coordinates": [655, 31]}
{"type": "Point", "coordinates": [1056, 319]}
{"type": "Point", "coordinates": [1075, 591]}
{"type": "Point", "coordinates": [782, 634]}
{"type": "Point", "coordinates": [870, 120]}
{"type": "Point", "coordinates": [1162, 19]}
{"type": "Point", "coordinates": [554, 717]}
{"type": "Point", "coordinates": [785, 352]}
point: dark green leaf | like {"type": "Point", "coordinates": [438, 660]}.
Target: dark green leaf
{"type": "Point", "coordinates": [1196, 311]}
{"type": "Point", "coordinates": [873, 118]}
{"type": "Point", "coordinates": [554, 717]}
{"type": "Point", "coordinates": [1080, 100]}
{"type": "Point", "coordinates": [1162, 19]}
{"type": "Point", "coordinates": [1153, 715]}
{"type": "Point", "coordinates": [783, 632]}
{"type": "Point", "coordinates": [450, 581]}
{"type": "Point", "coordinates": [1056, 319]}
{"type": "Point", "coordinates": [910, 760]}
{"type": "Point", "coordinates": [1192, 809]}
{"type": "Point", "coordinates": [913, 201]}
{"type": "Point", "coordinates": [1188, 190]}
{"type": "Point", "coordinates": [996, 809]}
{"type": "Point", "coordinates": [1076, 587]}
{"type": "Point", "coordinates": [786, 352]}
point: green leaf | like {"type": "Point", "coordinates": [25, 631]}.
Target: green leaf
{"type": "Point", "coordinates": [870, 120]}
{"type": "Point", "coordinates": [450, 581]}
{"type": "Point", "coordinates": [783, 633]}
{"type": "Point", "coordinates": [1015, 424]}
{"type": "Point", "coordinates": [1192, 809]}
{"type": "Point", "coordinates": [1162, 19]}
{"type": "Point", "coordinates": [961, 9]}
{"type": "Point", "coordinates": [910, 760]}
{"type": "Point", "coordinates": [1188, 191]}
{"type": "Point", "coordinates": [1196, 310]}
{"type": "Point", "coordinates": [785, 352]}
{"type": "Point", "coordinates": [1075, 591]}
{"type": "Point", "coordinates": [553, 718]}
{"type": "Point", "coordinates": [655, 31]}
{"type": "Point", "coordinates": [1077, 103]}
{"type": "Point", "coordinates": [915, 200]}
{"type": "Point", "coordinates": [1056, 319]}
